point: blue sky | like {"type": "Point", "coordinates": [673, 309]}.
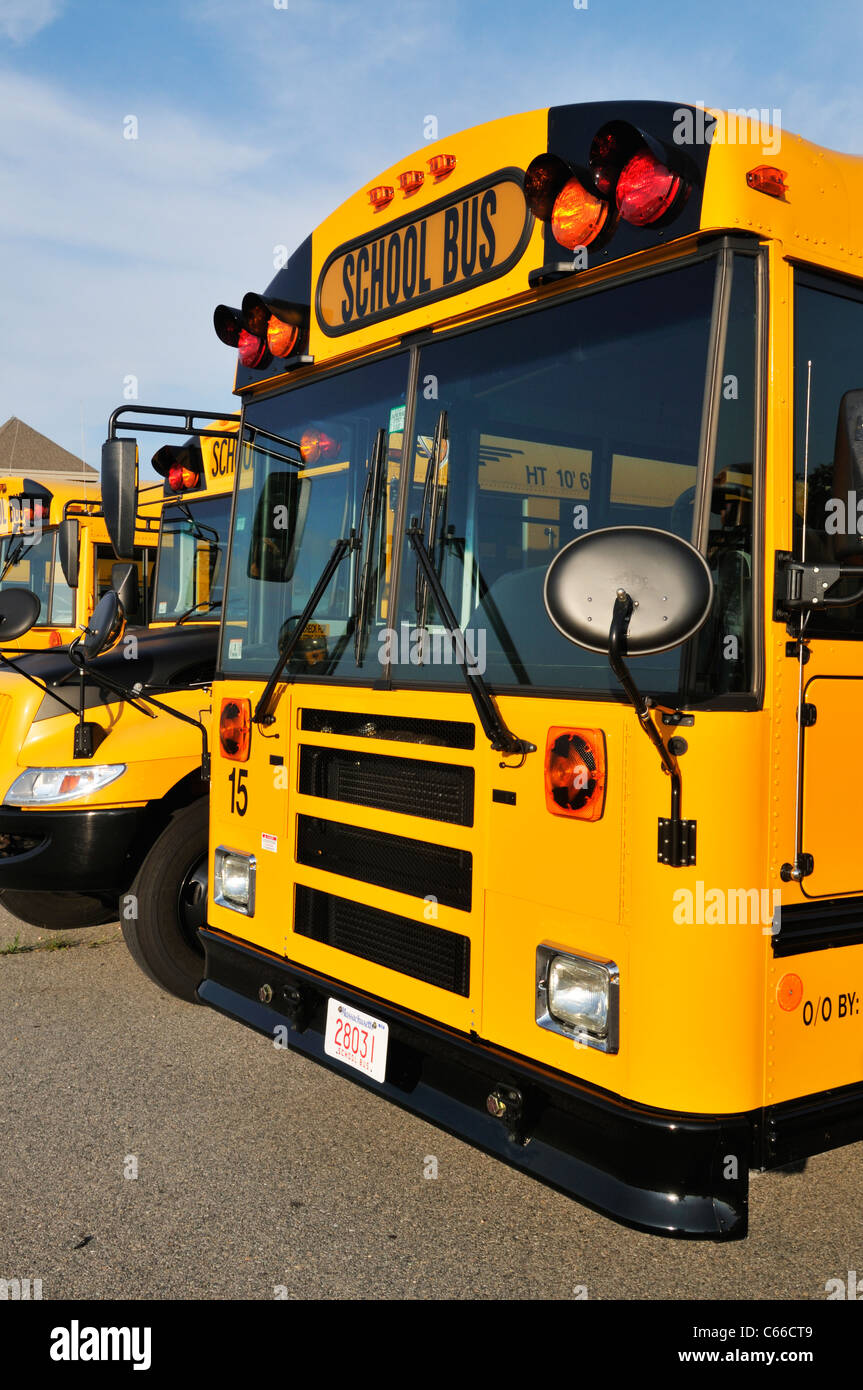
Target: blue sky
{"type": "Point", "coordinates": [256, 118]}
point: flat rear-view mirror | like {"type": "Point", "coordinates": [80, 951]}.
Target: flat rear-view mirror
{"type": "Point", "coordinates": [124, 582]}
{"type": "Point", "coordinates": [67, 541]}
{"type": "Point", "coordinates": [120, 493]}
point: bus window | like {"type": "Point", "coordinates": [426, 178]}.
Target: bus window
{"type": "Point", "coordinates": [105, 562]}
{"type": "Point", "coordinates": [593, 418]}
{"type": "Point", "coordinates": [289, 519]}
{"type": "Point", "coordinates": [191, 565]}
{"type": "Point", "coordinates": [30, 563]}
{"type": "Point", "coordinates": [828, 332]}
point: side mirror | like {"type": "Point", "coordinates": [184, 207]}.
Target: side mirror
{"type": "Point", "coordinates": [634, 590]}
{"type": "Point", "coordinates": [105, 627]}
{"type": "Point", "coordinates": [19, 609]}
{"type": "Point", "coordinates": [668, 581]}
{"type": "Point", "coordinates": [124, 582]}
{"type": "Point", "coordinates": [120, 493]}
{"type": "Point", "coordinates": [68, 541]}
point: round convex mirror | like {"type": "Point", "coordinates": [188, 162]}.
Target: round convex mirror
{"type": "Point", "coordinates": [105, 627]}
{"type": "Point", "coordinates": [667, 579]}
{"type": "Point", "coordinates": [19, 609]}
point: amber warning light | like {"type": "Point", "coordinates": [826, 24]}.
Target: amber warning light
{"type": "Point", "coordinates": [235, 729]}
{"type": "Point", "coordinates": [575, 773]}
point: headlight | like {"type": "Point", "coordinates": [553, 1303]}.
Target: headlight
{"type": "Point", "coordinates": [578, 996]}
{"type": "Point", "coordinates": [44, 784]}
{"type": "Point", "coordinates": [234, 880]}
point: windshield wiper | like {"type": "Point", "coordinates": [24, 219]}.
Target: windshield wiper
{"type": "Point", "coordinates": [194, 608]}
{"type": "Point", "coordinates": [501, 738]}
{"type": "Point", "coordinates": [198, 529]}
{"type": "Point", "coordinates": [264, 708]}
{"type": "Point", "coordinates": [431, 506]}
{"type": "Point", "coordinates": [16, 554]}
{"type": "Point", "coordinates": [363, 563]}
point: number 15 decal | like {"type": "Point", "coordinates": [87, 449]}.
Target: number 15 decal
{"type": "Point", "coordinates": [239, 791]}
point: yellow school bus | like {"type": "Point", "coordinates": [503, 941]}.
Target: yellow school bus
{"type": "Point", "coordinates": [101, 763]}
{"type": "Point", "coordinates": [536, 664]}
{"type": "Point", "coordinates": [54, 542]}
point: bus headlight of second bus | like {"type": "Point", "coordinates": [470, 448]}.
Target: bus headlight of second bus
{"type": "Point", "coordinates": [41, 785]}
{"type": "Point", "coordinates": [234, 880]}
{"type": "Point", "coordinates": [578, 996]}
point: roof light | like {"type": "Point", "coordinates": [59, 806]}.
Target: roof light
{"type": "Point", "coordinates": [281, 337]}
{"type": "Point", "coordinates": [766, 178]}
{"type": "Point", "coordinates": [441, 164]}
{"type": "Point", "coordinates": [648, 179]}
{"type": "Point", "coordinates": [381, 195]}
{"type": "Point", "coordinates": [251, 349]}
{"type": "Point", "coordinates": [411, 180]}
{"type": "Point", "coordinates": [180, 479]}
{"type": "Point", "coordinates": [646, 190]}
{"type": "Point", "coordinates": [228, 324]}
{"type": "Point", "coordinates": [578, 216]}
{"type": "Point", "coordinates": [544, 178]}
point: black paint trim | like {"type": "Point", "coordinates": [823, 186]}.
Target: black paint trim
{"type": "Point", "coordinates": [819, 926]}
{"type": "Point", "coordinates": [654, 1170]}
{"type": "Point", "coordinates": [508, 175]}
{"type": "Point", "coordinates": [812, 1124]}
{"type": "Point", "coordinates": [88, 851]}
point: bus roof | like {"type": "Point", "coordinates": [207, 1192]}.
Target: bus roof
{"type": "Point", "coordinates": [450, 222]}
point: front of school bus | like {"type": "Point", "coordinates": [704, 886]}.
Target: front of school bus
{"type": "Point", "coordinates": [101, 757]}
{"type": "Point", "coordinates": [446, 856]}
{"type": "Point", "coordinates": [54, 542]}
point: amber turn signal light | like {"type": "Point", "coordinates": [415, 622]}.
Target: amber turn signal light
{"type": "Point", "coordinates": [235, 729]}
{"type": "Point", "coordinates": [575, 773]}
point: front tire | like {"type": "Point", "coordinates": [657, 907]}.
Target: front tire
{"type": "Point", "coordinates": [58, 911]}
{"type": "Point", "coordinates": [169, 897]}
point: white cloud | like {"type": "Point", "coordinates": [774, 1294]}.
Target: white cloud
{"type": "Point", "coordinates": [20, 20]}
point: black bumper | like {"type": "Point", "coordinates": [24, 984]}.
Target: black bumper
{"type": "Point", "coordinates": [660, 1172]}
{"type": "Point", "coordinates": [85, 851]}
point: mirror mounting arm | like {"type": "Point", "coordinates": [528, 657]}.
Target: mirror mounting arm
{"type": "Point", "coordinates": [676, 836]}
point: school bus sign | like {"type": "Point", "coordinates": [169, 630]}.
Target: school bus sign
{"type": "Point", "coordinates": [475, 235]}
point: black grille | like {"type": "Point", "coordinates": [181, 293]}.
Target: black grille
{"type": "Point", "coordinates": [424, 952]}
{"type": "Point", "coordinates": [443, 732]}
{"type": "Point", "coordinates": [436, 791]}
{"type": "Point", "coordinates": [390, 861]}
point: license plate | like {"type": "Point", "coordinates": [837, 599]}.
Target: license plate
{"type": "Point", "coordinates": [357, 1039]}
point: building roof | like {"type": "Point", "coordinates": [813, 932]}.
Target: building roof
{"type": "Point", "coordinates": [24, 450]}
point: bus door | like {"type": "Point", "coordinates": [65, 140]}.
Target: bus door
{"type": "Point", "coordinates": [829, 335]}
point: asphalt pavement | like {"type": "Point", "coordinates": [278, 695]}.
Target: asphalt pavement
{"type": "Point", "coordinates": [154, 1149]}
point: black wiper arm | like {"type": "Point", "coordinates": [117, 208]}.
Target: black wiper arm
{"type": "Point", "coordinates": [371, 503]}
{"type": "Point", "coordinates": [199, 530]}
{"type": "Point", "coordinates": [16, 553]}
{"type": "Point", "coordinates": [431, 505]}
{"type": "Point", "coordinates": [264, 709]}
{"type": "Point", "coordinates": [194, 608]}
{"type": "Point", "coordinates": [501, 738]}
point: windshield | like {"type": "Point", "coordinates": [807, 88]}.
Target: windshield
{"type": "Point", "coordinates": [527, 433]}
{"type": "Point", "coordinates": [190, 573]}
{"type": "Point", "coordinates": [35, 566]}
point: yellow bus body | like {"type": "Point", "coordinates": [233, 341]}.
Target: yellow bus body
{"type": "Point", "coordinates": [728, 1029]}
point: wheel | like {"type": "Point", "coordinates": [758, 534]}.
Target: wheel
{"type": "Point", "coordinates": [169, 895]}
{"type": "Point", "coordinates": [58, 911]}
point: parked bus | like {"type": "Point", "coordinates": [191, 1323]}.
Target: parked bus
{"type": "Point", "coordinates": [53, 541]}
{"type": "Point", "coordinates": [101, 755]}
{"type": "Point", "coordinates": [535, 667]}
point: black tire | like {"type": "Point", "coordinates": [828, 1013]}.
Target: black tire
{"type": "Point", "coordinates": [58, 911]}
{"type": "Point", "coordinates": [170, 897]}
